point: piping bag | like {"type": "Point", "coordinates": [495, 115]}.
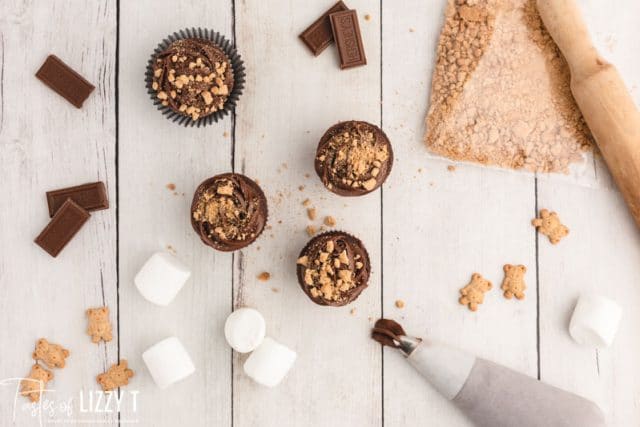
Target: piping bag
{"type": "Point", "coordinates": [490, 395]}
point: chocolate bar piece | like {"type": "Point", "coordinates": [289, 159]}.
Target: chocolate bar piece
{"type": "Point", "coordinates": [319, 35]}
{"type": "Point", "coordinates": [63, 80]}
{"type": "Point", "coordinates": [91, 197]}
{"type": "Point", "coordinates": [346, 33]}
{"type": "Point", "coordinates": [61, 229]}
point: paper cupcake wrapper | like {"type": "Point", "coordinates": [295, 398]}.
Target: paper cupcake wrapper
{"type": "Point", "coordinates": [238, 75]}
{"type": "Point", "coordinates": [355, 293]}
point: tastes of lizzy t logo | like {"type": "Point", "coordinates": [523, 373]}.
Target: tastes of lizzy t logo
{"type": "Point", "coordinates": [86, 407]}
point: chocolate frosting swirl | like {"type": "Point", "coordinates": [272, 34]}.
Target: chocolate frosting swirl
{"type": "Point", "coordinates": [355, 252]}
{"type": "Point", "coordinates": [194, 70]}
{"type": "Point", "coordinates": [336, 158]}
{"type": "Point", "coordinates": [241, 221]}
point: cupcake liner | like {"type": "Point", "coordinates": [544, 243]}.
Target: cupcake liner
{"type": "Point", "coordinates": [354, 293]}
{"type": "Point", "coordinates": [198, 226]}
{"type": "Point", "coordinates": [238, 75]}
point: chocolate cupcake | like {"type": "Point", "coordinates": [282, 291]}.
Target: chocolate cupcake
{"type": "Point", "coordinates": [195, 77]}
{"type": "Point", "coordinates": [229, 211]}
{"type": "Point", "coordinates": [333, 268]}
{"type": "Point", "coordinates": [353, 158]}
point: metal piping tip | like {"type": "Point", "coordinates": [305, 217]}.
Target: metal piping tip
{"type": "Point", "coordinates": [407, 345]}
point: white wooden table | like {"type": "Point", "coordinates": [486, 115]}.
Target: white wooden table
{"type": "Point", "coordinates": [426, 231]}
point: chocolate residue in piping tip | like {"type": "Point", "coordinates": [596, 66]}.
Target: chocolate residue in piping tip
{"type": "Point", "coordinates": [387, 332]}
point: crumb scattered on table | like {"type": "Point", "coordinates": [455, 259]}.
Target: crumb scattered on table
{"type": "Point", "coordinates": [306, 202]}
{"type": "Point", "coordinates": [367, 17]}
{"type": "Point", "coordinates": [330, 221]}
{"type": "Point", "coordinates": [311, 230]}
{"type": "Point", "coordinates": [451, 168]}
{"type": "Point", "coordinates": [399, 303]}
{"type": "Point", "coordinates": [225, 134]}
{"type": "Point", "coordinates": [264, 276]}
{"type": "Point", "coordinates": [171, 186]}
{"type": "Point", "coordinates": [301, 188]}
{"type": "Point", "coordinates": [352, 312]}
{"type": "Point", "coordinates": [311, 213]}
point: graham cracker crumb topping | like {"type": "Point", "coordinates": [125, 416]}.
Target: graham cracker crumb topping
{"type": "Point", "coordinates": [332, 269]}
{"type": "Point", "coordinates": [355, 157]}
{"type": "Point", "coordinates": [229, 216]}
{"type": "Point", "coordinates": [193, 77]}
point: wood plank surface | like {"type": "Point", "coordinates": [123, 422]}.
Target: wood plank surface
{"type": "Point", "coordinates": [46, 143]}
{"type": "Point", "coordinates": [292, 97]}
{"type": "Point", "coordinates": [599, 256]}
{"type": "Point", "coordinates": [426, 232]}
{"type": "Point", "coordinates": [154, 152]}
{"type": "Point", "coordinates": [440, 226]}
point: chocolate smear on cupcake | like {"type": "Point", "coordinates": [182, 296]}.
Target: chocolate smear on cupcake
{"type": "Point", "coordinates": [193, 77]}
{"type": "Point", "coordinates": [333, 268]}
{"type": "Point", "coordinates": [229, 211]}
{"type": "Point", "coordinates": [353, 158]}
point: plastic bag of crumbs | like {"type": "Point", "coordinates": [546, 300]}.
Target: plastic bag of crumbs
{"type": "Point", "coordinates": [500, 92]}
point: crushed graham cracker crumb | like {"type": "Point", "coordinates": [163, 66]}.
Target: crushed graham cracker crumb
{"type": "Point", "coordinates": [171, 186]}
{"type": "Point", "coordinates": [193, 77]}
{"type": "Point", "coordinates": [400, 303]}
{"type": "Point", "coordinates": [333, 268]}
{"type": "Point", "coordinates": [230, 209]}
{"type": "Point", "coordinates": [264, 276]}
{"type": "Point", "coordinates": [311, 230]}
{"type": "Point", "coordinates": [311, 213]}
{"type": "Point", "coordinates": [330, 221]}
{"type": "Point", "coordinates": [353, 158]}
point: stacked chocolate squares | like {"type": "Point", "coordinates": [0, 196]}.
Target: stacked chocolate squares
{"type": "Point", "coordinates": [69, 209]}
{"type": "Point", "coordinates": [339, 24]}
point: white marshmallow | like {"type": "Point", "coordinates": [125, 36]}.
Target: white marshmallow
{"type": "Point", "coordinates": [595, 321]}
{"type": "Point", "coordinates": [161, 278]}
{"type": "Point", "coordinates": [244, 329]}
{"type": "Point", "coordinates": [168, 362]}
{"type": "Point", "coordinates": [269, 363]}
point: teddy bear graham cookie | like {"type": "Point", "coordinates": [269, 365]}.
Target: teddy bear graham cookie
{"type": "Point", "coordinates": [99, 325]}
{"type": "Point", "coordinates": [116, 376]}
{"type": "Point", "coordinates": [53, 355]}
{"type": "Point", "coordinates": [472, 295]}
{"type": "Point", "coordinates": [513, 283]}
{"type": "Point", "coordinates": [549, 224]}
{"type": "Point", "coordinates": [33, 386]}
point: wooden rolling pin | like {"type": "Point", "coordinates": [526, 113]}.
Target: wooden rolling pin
{"type": "Point", "coordinates": [602, 97]}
